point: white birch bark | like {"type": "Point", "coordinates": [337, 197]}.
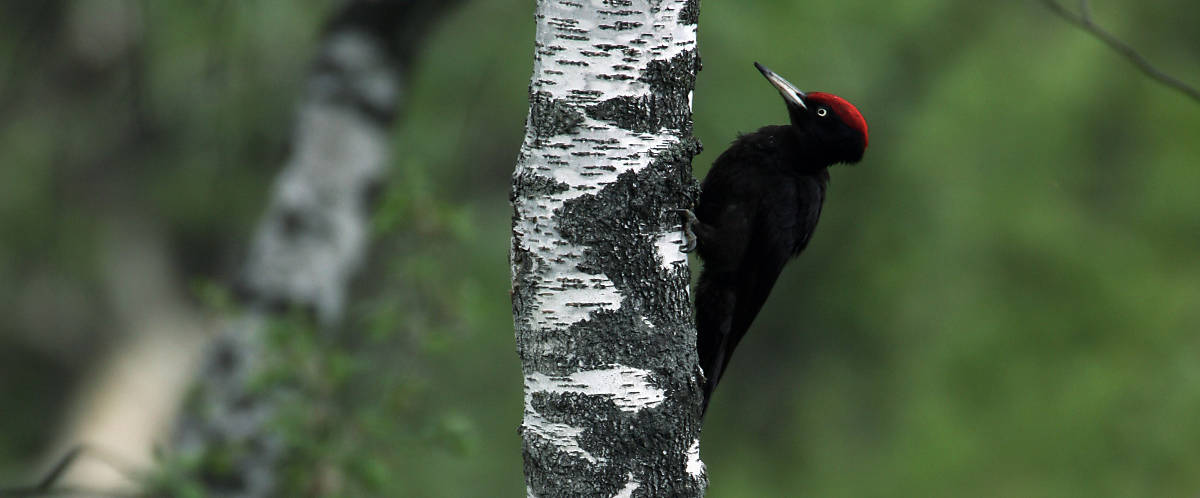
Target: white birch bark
{"type": "Point", "coordinates": [600, 288]}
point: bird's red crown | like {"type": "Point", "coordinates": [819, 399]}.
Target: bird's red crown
{"type": "Point", "coordinates": [844, 110]}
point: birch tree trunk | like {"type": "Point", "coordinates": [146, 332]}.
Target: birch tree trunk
{"type": "Point", "coordinates": [600, 288]}
{"type": "Point", "coordinates": [314, 236]}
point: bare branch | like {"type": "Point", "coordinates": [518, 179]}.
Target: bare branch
{"type": "Point", "coordinates": [1084, 20]}
{"type": "Point", "coordinates": [45, 487]}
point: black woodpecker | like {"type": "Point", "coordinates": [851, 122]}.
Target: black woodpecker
{"type": "Point", "coordinates": [758, 208]}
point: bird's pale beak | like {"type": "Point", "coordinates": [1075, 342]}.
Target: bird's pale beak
{"type": "Point", "coordinates": [789, 91]}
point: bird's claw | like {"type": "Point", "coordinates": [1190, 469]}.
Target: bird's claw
{"type": "Point", "coordinates": [689, 235]}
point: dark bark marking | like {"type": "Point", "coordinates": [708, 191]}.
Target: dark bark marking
{"type": "Point", "coordinates": [628, 442]}
{"type": "Point", "coordinates": [621, 25]}
{"type": "Point", "coordinates": [549, 116]}
{"type": "Point", "coordinates": [599, 341]}
{"type": "Point", "coordinates": [618, 224]}
{"type": "Point", "coordinates": [523, 292]}
{"type": "Point", "coordinates": [690, 13]}
{"type": "Point", "coordinates": [667, 104]}
{"type": "Point", "coordinates": [528, 184]}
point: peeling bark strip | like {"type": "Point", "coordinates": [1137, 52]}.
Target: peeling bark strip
{"type": "Point", "coordinates": [600, 288]}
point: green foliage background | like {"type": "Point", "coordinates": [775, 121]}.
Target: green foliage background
{"type": "Point", "coordinates": [1002, 300]}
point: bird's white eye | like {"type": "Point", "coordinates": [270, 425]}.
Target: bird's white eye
{"type": "Point", "coordinates": [822, 112]}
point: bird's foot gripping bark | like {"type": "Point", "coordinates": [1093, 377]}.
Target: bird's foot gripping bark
{"type": "Point", "coordinates": [689, 233]}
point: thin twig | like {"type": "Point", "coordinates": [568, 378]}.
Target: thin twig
{"type": "Point", "coordinates": [1084, 20]}
{"type": "Point", "coordinates": [45, 487]}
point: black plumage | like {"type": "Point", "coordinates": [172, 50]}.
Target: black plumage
{"type": "Point", "coordinates": [758, 207]}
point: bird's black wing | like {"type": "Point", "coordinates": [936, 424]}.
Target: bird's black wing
{"type": "Point", "coordinates": [778, 235]}
{"type": "Point", "coordinates": [772, 240]}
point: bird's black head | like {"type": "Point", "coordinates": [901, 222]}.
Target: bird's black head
{"type": "Point", "coordinates": [831, 125]}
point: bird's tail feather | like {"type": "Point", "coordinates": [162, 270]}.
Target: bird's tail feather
{"type": "Point", "coordinates": [725, 308]}
{"type": "Point", "coordinates": [715, 302]}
